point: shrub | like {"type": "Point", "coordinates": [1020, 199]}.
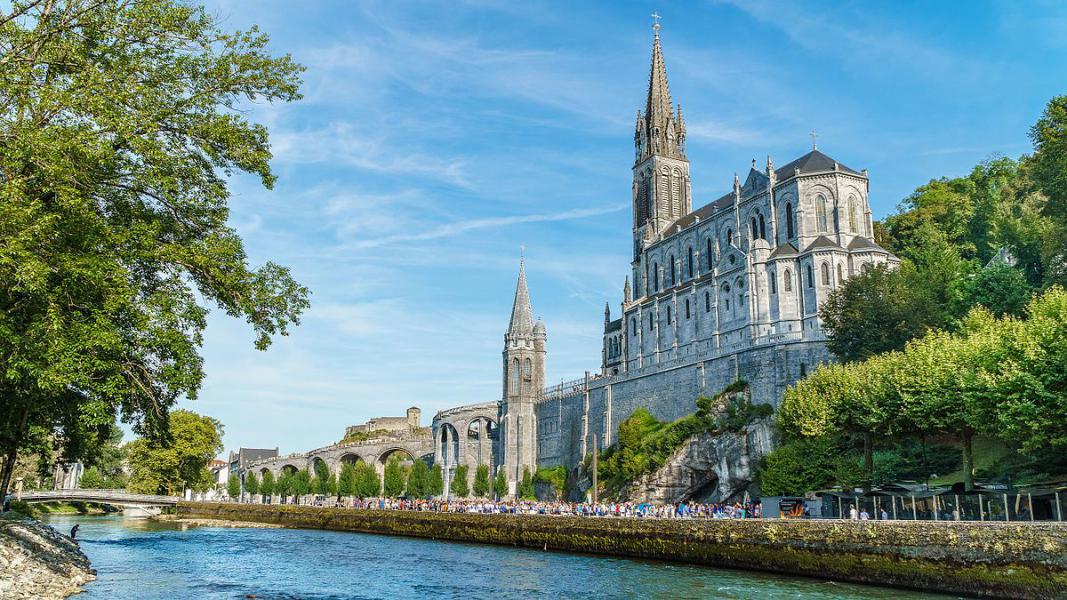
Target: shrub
{"type": "Point", "coordinates": [554, 476]}
{"type": "Point", "coordinates": [459, 486]}
{"type": "Point", "coordinates": [481, 481]}
{"type": "Point", "coordinates": [526, 487]}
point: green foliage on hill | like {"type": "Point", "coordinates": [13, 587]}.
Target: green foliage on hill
{"type": "Point", "coordinates": [362, 436]}
{"type": "Point", "coordinates": [644, 443]}
{"type": "Point", "coordinates": [555, 476]}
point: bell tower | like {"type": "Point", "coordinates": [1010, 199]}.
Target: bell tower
{"type": "Point", "coordinates": [661, 190]}
{"type": "Point", "coordinates": [524, 381]}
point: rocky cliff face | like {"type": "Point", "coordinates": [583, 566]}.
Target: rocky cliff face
{"type": "Point", "coordinates": [38, 562]}
{"type": "Point", "coordinates": [707, 468]}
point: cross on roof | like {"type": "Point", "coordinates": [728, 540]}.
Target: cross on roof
{"type": "Point", "coordinates": [655, 22]}
{"type": "Point", "coordinates": [812, 134]}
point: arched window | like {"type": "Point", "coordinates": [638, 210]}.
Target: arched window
{"type": "Point", "coordinates": [633, 326]}
{"type": "Point", "coordinates": [837, 218]}
{"type": "Point", "coordinates": [513, 377]}
{"type": "Point", "coordinates": [687, 315]}
{"type": "Point", "coordinates": [675, 185]}
{"type": "Point", "coordinates": [655, 276]}
{"type": "Point", "coordinates": [651, 323]}
{"type": "Point", "coordinates": [527, 375]}
{"type": "Point", "coordinates": [668, 314]}
{"type": "Point", "coordinates": [774, 284]}
{"type": "Point", "coordinates": [825, 274]}
{"type": "Point", "coordinates": [820, 213]}
{"type": "Point", "coordinates": [811, 277]}
{"type": "Point", "coordinates": [852, 215]}
{"type": "Point", "coordinates": [689, 268]}
{"type": "Point", "coordinates": [762, 228]}
{"type": "Point", "coordinates": [840, 274]}
{"type": "Point", "coordinates": [788, 280]}
{"type": "Point", "coordinates": [707, 301]}
{"type": "Point", "coordinates": [674, 273]}
{"type": "Point", "coordinates": [755, 230]}
{"type": "Point", "coordinates": [729, 236]}
{"type": "Point", "coordinates": [708, 261]}
{"type": "Point", "coordinates": [788, 220]}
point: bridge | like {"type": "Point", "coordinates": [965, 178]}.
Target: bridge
{"type": "Point", "coordinates": [377, 452]}
{"type": "Point", "coordinates": [132, 504]}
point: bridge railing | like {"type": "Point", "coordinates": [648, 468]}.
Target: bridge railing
{"type": "Point", "coordinates": [98, 495]}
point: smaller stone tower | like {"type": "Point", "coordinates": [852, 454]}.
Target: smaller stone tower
{"type": "Point", "coordinates": [524, 381]}
{"type": "Point", "coordinates": [414, 415]}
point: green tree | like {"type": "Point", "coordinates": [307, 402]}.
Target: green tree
{"type": "Point", "coordinates": [368, 485]}
{"type": "Point", "coordinates": [284, 485]}
{"type": "Point", "coordinates": [419, 480]}
{"type": "Point", "coordinates": [124, 122]}
{"type": "Point", "coordinates": [999, 287]}
{"type": "Point", "coordinates": [267, 486]}
{"type": "Point", "coordinates": [437, 481]}
{"type": "Point", "coordinates": [251, 484]}
{"type": "Point", "coordinates": [346, 483]}
{"type": "Point", "coordinates": [324, 482]}
{"type": "Point", "coordinates": [459, 487]}
{"type": "Point", "coordinates": [233, 487]}
{"type": "Point", "coordinates": [481, 481]}
{"type": "Point", "coordinates": [500, 485]}
{"type": "Point", "coordinates": [91, 479]}
{"type": "Point", "coordinates": [526, 486]}
{"type": "Point", "coordinates": [300, 484]}
{"type": "Point", "coordinates": [158, 467]}
{"type": "Point", "coordinates": [799, 466]}
{"type": "Point", "coordinates": [395, 477]}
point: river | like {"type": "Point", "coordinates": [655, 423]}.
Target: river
{"type": "Point", "coordinates": [142, 559]}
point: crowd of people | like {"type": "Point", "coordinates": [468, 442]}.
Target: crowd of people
{"type": "Point", "coordinates": [684, 510]}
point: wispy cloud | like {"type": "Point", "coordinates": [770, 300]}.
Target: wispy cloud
{"type": "Point", "coordinates": [460, 227]}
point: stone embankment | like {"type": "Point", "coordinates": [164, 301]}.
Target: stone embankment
{"type": "Point", "coordinates": [1003, 560]}
{"type": "Point", "coordinates": [37, 562]}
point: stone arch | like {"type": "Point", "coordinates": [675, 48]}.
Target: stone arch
{"type": "Point", "coordinates": [288, 469]}
{"type": "Point", "coordinates": [448, 443]}
{"type": "Point", "coordinates": [404, 453]}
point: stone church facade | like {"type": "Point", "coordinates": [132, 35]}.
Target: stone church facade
{"type": "Point", "coordinates": [729, 290]}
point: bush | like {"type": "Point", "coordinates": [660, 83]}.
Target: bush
{"type": "Point", "coordinates": [481, 481]}
{"type": "Point", "coordinates": [500, 484]}
{"type": "Point", "coordinates": [554, 476]}
{"type": "Point", "coordinates": [526, 489]}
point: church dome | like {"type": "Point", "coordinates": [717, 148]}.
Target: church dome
{"type": "Point", "coordinates": [539, 327]}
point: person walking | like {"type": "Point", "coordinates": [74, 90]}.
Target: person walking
{"type": "Point", "coordinates": [852, 513]}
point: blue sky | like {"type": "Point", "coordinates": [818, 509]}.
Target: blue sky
{"type": "Point", "coordinates": [435, 138]}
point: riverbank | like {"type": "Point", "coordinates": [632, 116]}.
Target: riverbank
{"type": "Point", "coordinates": [194, 522]}
{"type": "Point", "coordinates": [37, 562]}
{"type": "Point", "coordinates": [1004, 560]}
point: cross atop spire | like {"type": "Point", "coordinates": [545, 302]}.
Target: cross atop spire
{"type": "Point", "coordinates": [655, 23]}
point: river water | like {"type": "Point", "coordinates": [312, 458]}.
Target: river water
{"type": "Point", "coordinates": [141, 559]}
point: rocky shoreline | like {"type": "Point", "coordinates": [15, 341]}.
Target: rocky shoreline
{"type": "Point", "coordinates": [38, 562]}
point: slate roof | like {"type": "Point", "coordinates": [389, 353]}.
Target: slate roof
{"type": "Point", "coordinates": [822, 242]}
{"type": "Point", "coordinates": [861, 243]}
{"type": "Point", "coordinates": [786, 249]}
{"type": "Point", "coordinates": [812, 162]}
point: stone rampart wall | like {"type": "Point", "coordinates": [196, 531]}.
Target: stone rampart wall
{"type": "Point", "coordinates": [979, 559]}
{"type": "Point", "coordinates": [565, 429]}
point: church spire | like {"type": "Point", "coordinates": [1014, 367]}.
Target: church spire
{"type": "Point", "coordinates": [659, 122]}
{"type": "Point", "coordinates": [521, 313]}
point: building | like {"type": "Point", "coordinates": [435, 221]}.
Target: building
{"type": "Point", "coordinates": [388, 425]}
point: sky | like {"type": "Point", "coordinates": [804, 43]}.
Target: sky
{"type": "Point", "coordinates": [435, 139]}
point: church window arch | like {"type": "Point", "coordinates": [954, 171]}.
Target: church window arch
{"type": "Point", "coordinates": [729, 236]}
{"type": "Point", "coordinates": [852, 215]}
{"type": "Point", "coordinates": [687, 314]}
{"type": "Point", "coordinates": [811, 277]}
{"type": "Point", "coordinates": [633, 326]}
{"type": "Point", "coordinates": [676, 181]}
{"type": "Point", "coordinates": [837, 218]}
{"type": "Point", "coordinates": [690, 264]}
{"type": "Point", "coordinates": [788, 280]}
{"type": "Point", "coordinates": [655, 276]}
{"type": "Point", "coordinates": [527, 375]}
{"type": "Point", "coordinates": [707, 301]}
{"type": "Point", "coordinates": [673, 280]}
{"type": "Point", "coordinates": [651, 323]}
{"type": "Point", "coordinates": [709, 254]}
{"type": "Point", "coordinates": [762, 228]}
{"type": "Point", "coordinates": [755, 231]}
{"type": "Point", "coordinates": [668, 314]}
{"type": "Point", "coordinates": [825, 274]}
{"type": "Point", "coordinates": [840, 273]}
{"type": "Point", "coordinates": [513, 377]}
{"type": "Point", "coordinates": [774, 284]}
{"type": "Point", "coordinates": [820, 213]}
{"type": "Point", "coordinates": [788, 220]}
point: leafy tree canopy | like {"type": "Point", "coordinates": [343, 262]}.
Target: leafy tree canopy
{"type": "Point", "coordinates": [158, 467]}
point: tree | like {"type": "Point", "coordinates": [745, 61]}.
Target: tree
{"type": "Point", "coordinates": [91, 479]}
{"type": "Point", "coordinates": [459, 487]}
{"type": "Point", "coordinates": [158, 467]}
{"type": "Point", "coordinates": [325, 482]}
{"type": "Point", "coordinates": [251, 484]}
{"type": "Point", "coordinates": [526, 486]}
{"type": "Point", "coordinates": [481, 481]}
{"type": "Point", "coordinates": [1049, 136]}
{"type": "Point", "coordinates": [500, 485]}
{"type": "Point", "coordinates": [394, 477]}
{"type": "Point", "coordinates": [368, 485]}
{"type": "Point", "coordinates": [267, 486]}
{"type": "Point", "coordinates": [437, 481]}
{"type": "Point", "coordinates": [123, 122]}
{"type": "Point", "coordinates": [233, 487]}
{"type": "Point", "coordinates": [419, 480]}
{"type": "Point", "coordinates": [999, 287]}
{"type": "Point", "coordinates": [346, 483]}
{"type": "Point", "coordinates": [301, 483]}
{"type": "Point", "coordinates": [799, 466]}
{"type": "Point", "coordinates": [284, 486]}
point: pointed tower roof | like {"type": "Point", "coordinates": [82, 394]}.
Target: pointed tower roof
{"type": "Point", "coordinates": [521, 313]}
{"type": "Point", "coordinates": [658, 105]}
